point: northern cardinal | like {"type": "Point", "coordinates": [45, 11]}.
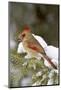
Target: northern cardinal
{"type": "Point", "coordinates": [32, 46]}
{"type": "Point", "coordinates": [38, 38]}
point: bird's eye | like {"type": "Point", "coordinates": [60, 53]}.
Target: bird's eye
{"type": "Point", "coordinates": [23, 35]}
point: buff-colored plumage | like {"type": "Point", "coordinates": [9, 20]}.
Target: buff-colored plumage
{"type": "Point", "coordinates": [32, 46]}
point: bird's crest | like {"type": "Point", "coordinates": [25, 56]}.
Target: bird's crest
{"type": "Point", "coordinates": [26, 29]}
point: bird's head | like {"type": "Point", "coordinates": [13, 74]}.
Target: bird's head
{"type": "Point", "coordinates": [25, 31]}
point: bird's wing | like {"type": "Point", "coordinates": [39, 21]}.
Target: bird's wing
{"type": "Point", "coordinates": [35, 46]}
{"type": "Point", "coordinates": [33, 43]}
{"type": "Point", "coordinates": [40, 40]}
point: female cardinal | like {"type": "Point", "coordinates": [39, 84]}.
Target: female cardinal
{"type": "Point", "coordinates": [32, 46]}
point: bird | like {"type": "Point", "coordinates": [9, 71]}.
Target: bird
{"type": "Point", "coordinates": [21, 49]}
{"type": "Point", "coordinates": [32, 46]}
{"type": "Point", "coordinates": [38, 38]}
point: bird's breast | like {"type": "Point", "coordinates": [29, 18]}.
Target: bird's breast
{"type": "Point", "coordinates": [29, 50]}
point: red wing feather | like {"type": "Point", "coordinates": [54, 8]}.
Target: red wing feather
{"type": "Point", "coordinates": [33, 47]}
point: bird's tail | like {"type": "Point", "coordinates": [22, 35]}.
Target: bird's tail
{"type": "Point", "coordinates": [50, 62]}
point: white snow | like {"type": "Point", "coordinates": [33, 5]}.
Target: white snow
{"type": "Point", "coordinates": [50, 81]}
{"type": "Point", "coordinates": [40, 40]}
{"type": "Point", "coordinates": [20, 48]}
{"type": "Point", "coordinates": [52, 52]}
{"type": "Point", "coordinates": [39, 73]}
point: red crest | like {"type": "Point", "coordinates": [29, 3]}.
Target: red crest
{"type": "Point", "coordinates": [26, 28]}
